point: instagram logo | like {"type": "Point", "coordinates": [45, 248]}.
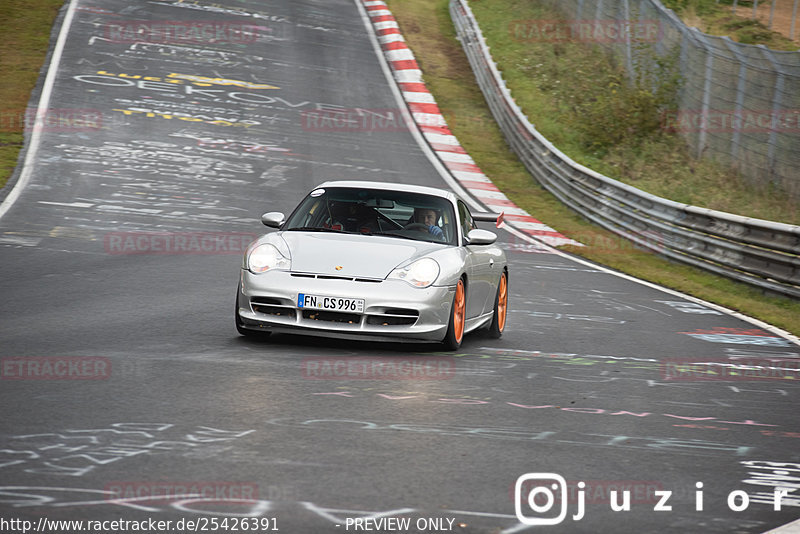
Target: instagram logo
{"type": "Point", "coordinates": [540, 491]}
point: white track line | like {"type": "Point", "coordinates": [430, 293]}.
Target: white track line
{"type": "Point", "coordinates": [789, 528]}
{"type": "Point", "coordinates": [44, 102]}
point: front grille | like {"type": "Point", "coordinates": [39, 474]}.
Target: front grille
{"type": "Point", "coordinates": [332, 317]}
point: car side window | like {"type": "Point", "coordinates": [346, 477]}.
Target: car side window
{"type": "Point", "coordinates": [465, 216]}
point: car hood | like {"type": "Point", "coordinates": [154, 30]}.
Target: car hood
{"type": "Point", "coordinates": [358, 256]}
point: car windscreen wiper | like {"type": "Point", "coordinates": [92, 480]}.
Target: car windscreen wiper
{"type": "Point", "coordinates": [315, 229]}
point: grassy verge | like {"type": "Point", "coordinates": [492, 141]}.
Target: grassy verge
{"type": "Point", "coordinates": [428, 29]}
{"type": "Point", "coordinates": [580, 100]}
{"type": "Point", "coordinates": [25, 26]}
{"type": "Point", "coordinates": [716, 18]}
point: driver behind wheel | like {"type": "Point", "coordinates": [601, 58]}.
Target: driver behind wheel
{"type": "Point", "coordinates": [428, 218]}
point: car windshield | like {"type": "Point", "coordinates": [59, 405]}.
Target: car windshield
{"type": "Point", "coordinates": [397, 214]}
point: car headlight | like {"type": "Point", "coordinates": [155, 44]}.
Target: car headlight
{"type": "Point", "coordinates": [266, 257]}
{"type": "Point", "coordinates": [421, 273]}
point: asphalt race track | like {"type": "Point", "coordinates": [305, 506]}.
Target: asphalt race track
{"type": "Point", "coordinates": [194, 139]}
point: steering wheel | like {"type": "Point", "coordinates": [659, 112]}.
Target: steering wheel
{"type": "Point", "coordinates": [418, 226]}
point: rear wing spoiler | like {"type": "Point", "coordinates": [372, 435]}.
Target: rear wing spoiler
{"type": "Point", "coordinates": [489, 217]}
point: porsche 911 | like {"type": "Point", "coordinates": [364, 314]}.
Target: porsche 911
{"type": "Point", "coordinates": [378, 261]}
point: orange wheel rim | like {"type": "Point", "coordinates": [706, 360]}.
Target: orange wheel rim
{"type": "Point", "coordinates": [502, 303]}
{"type": "Point", "coordinates": [458, 312]}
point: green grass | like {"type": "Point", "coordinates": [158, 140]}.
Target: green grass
{"type": "Point", "coordinates": [25, 26]}
{"type": "Point", "coordinates": [428, 29]}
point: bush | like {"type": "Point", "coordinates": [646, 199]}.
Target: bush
{"type": "Point", "coordinates": [628, 111]}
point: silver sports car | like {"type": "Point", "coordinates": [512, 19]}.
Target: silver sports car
{"type": "Point", "coordinates": [379, 261]}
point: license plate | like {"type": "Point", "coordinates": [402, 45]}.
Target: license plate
{"type": "Point", "coordinates": [339, 304]}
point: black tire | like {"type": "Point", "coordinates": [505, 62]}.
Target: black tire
{"type": "Point", "coordinates": [455, 331]}
{"type": "Point", "coordinates": [500, 315]}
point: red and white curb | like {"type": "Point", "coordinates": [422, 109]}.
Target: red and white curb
{"type": "Point", "coordinates": [431, 123]}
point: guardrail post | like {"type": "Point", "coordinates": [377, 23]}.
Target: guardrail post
{"type": "Point", "coordinates": [626, 22]}
{"type": "Point", "coordinates": [683, 62]}
{"type": "Point", "coordinates": [777, 103]}
{"type": "Point", "coordinates": [771, 14]}
{"type": "Point", "coordinates": [599, 11]}
{"type": "Point", "coordinates": [701, 141]}
{"type": "Point", "coordinates": [740, 94]}
{"type": "Point", "coordinates": [660, 45]}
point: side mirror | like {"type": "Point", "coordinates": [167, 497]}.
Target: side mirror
{"type": "Point", "coordinates": [273, 219]}
{"type": "Point", "coordinates": [481, 237]}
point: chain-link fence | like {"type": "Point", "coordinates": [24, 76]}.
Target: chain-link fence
{"type": "Point", "coordinates": [739, 104]}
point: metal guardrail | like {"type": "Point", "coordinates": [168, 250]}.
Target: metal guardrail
{"type": "Point", "coordinates": [761, 253]}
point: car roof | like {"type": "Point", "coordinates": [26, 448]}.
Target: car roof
{"type": "Point", "coordinates": [386, 186]}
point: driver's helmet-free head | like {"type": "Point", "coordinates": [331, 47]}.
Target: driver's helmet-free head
{"type": "Point", "coordinates": [426, 216]}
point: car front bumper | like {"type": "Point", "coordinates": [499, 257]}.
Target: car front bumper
{"type": "Point", "coordinates": [393, 309]}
